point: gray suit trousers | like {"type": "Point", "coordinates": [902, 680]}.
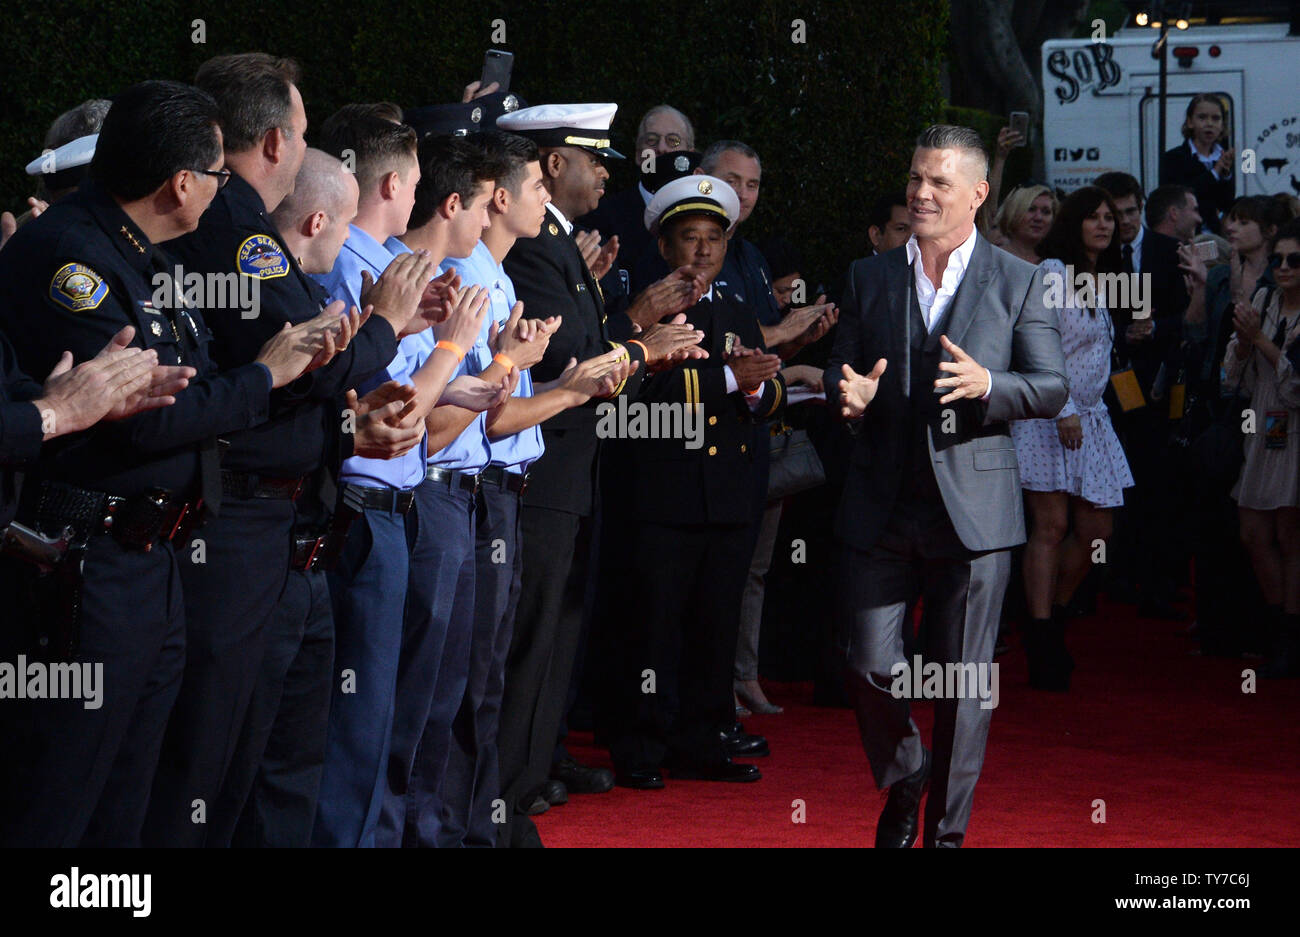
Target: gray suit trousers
{"type": "Point", "coordinates": [919, 554]}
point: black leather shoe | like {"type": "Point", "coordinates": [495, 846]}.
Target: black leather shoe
{"type": "Point", "coordinates": [537, 806]}
{"type": "Point", "coordinates": [1164, 611]}
{"type": "Point", "coordinates": [722, 771]}
{"type": "Point", "coordinates": [579, 779]}
{"type": "Point", "coordinates": [555, 793]}
{"type": "Point", "coordinates": [641, 780]}
{"type": "Point", "coordinates": [745, 745]}
{"type": "Point", "coordinates": [901, 817]}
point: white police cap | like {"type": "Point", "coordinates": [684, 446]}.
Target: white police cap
{"type": "Point", "coordinates": [696, 195]}
{"type": "Point", "coordinates": [585, 126]}
{"type": "Point", "coordinates": [71, 155]}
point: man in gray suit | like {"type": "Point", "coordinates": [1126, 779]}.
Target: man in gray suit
{"type": "Point", "coordinates": [962, 341]}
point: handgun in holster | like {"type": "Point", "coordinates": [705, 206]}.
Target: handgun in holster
{"type": "Point", "coordinates": [49, 596]}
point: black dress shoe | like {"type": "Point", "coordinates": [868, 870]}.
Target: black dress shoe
{"type": "Point", "coordinates": [722, 771]}
{"type": "Point", "coordinates": [579, 779]}
{"type": "Point", "coordinates": [901, 817]}
{"type": "Point", "coordinates": [555, 793]}
{"type": "Point", "coordinates": [745, 745]}
{"type": "Point", "coordinates": [1164, 611]}
{"type": "Point", "coordinates": [646, 779]}
{"type": "Point", "coordinates": [537, 806]}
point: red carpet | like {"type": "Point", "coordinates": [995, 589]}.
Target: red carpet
{"type": "Point", "coordinates": [1168, 740]}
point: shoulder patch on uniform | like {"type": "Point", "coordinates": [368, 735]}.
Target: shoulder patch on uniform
{"type": "Point", "coordinates": [76, 287]}
{"type": "Point", "coordinates": [262, 257]}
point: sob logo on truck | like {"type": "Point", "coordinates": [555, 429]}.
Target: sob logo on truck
{"type": "Point", "coordinates": [1092, 67]}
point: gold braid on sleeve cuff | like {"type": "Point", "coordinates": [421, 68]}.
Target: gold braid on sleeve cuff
{"type": "Point", "coordinates": [626, 357]}
{"type": "Point", "coordinates": [776, 398]}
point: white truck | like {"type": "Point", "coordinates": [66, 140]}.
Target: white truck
{"type": "Point", "coordinates": [1101, 102]}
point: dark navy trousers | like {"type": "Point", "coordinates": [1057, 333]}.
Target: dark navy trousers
{"type": "Point", "coordinates": [472, 782]}
{"type": "Point", "coordinates": [73, 775]}
{"type": "Point", "coordinates": [433, 664]}
{"type": "Point", "coordinates": [269, 798]}
{"type": "Point", "coordinates": [368, 594]}
{"type": "Point", "coordinates": [233, 572]}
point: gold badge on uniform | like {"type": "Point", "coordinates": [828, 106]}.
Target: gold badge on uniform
{"type": "Point", "coordinates": [706, 187]}
{"type": "Point", "coordinates": [553, 229]}
{"type": "Point", "coordinates": [731, 341]}
{"type": "Point", "coordinates": [76, 287]}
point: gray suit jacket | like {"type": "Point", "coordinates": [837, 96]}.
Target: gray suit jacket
{"type": "Point", "coordinates": [1000, 319]}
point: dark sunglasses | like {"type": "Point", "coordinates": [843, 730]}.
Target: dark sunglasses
{"type": "Point", "coordinates": [223, 175]}
{"type": "Point", "coordinates": [1291, 260]}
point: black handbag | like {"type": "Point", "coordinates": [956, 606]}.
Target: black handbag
{"type": "Point", "coordinates": [794, 465]}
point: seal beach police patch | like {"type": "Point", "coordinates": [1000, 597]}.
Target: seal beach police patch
{"type": "Point", "coordinates": [77, 287]}
{"type": "Point", "coordinates": [262, 257]}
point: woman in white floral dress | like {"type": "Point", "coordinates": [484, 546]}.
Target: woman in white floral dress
{"type": "Point", "coordinates": [1072, 467]}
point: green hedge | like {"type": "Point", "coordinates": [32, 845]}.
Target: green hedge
{"type": "Point", "coordinates": [833, 118]}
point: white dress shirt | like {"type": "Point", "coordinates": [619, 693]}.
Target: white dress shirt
{"type": "Point", "coordinates": [934, 301]}
{"type": "Point", "coordinates": [1136, 244]}
{"type": "Point", "coordinates": [1207, 161]}
{"type": "Point", "coordinates": [565, 223]}
{"type": "Point", "coordinates": [729, 376]}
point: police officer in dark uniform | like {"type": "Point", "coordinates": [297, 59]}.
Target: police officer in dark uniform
{"type": "Point", "coordinates": [232, 590]}
{"type": "Point", "coordinates": [686, 509]}
{"type": "Point", "coordinates": [127, 491]}
{"type": "Point", "coordinates": [269, 795]}
{"type": "Point", "coordinates": [21, 432]}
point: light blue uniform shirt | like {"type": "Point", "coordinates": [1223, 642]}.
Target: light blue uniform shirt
{"type": "Point", "coordinates": [469, 451]}
{"type": "Point", "coordinates": [362, 252]}
{"type": "Point", "coordinates": [519, 451]}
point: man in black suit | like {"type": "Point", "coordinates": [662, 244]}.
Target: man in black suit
{"type": "Point", "coordinates": [940, 343]}
{"type": "Point", "coordinates": [552, 279]}
{"type": "Point", "coordinates": [683, 498]}
{"type": "Point", "coordinates": [665, 141]}
{"type": "Point", "coordinates": [1141, 548]}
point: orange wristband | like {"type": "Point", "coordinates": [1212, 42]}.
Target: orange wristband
{"type": "Point", "coordinates": [453, 348]}
{"type": "Point", "coordinates": [503, 359]}
{"type": "Point", "coordinates": [645, 351]}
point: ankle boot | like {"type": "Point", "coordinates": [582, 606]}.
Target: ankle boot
{"type": "Point", "coordinates": [1060, 620]}
{"type": "Point", "coordinates": [1049, 663]}
{"type": "Point", "coordinates": [1284, 660]}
